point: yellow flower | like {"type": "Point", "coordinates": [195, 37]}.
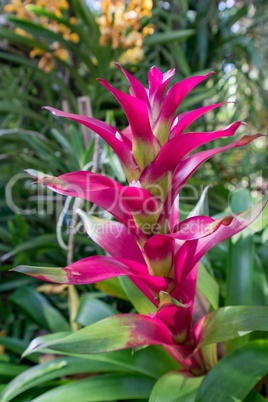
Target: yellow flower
{"type": "Point", "coordinates": [73, 20]}
{"type": "Point", "coordinates": [120, 25]}
{"type": "Point", "coordinates": [74, 37]}
{"type": "Point", "coordinates": [36, 52]}
{"type": "Point", "coordinates": [21, 32]}
{"type": "Point", "coordinates": [148, 30]}
{"type": "Point", "coordinates": [19, 8]}
{"type": "Point", "coordinates": [131, 56]}
{"type": "Point", "coordinates": [46, 63]}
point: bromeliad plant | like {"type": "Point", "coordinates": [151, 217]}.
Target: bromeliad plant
{"type": "Point", "coordinates": [148, 243]}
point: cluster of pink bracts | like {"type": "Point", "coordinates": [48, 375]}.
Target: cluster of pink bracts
{"type": "Point", "coordinates": [148, 242]}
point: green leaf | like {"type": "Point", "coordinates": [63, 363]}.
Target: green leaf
{"type": "Point", "coordinates": [38, 31]}
{"type": "Point", "coordinates": [141, 303]}
{"type": "Point", "coordinates": [260, 223]}
{"type": "Point", "coordinates": [64, 142]}
{"type": "Point", "coordinates": [42, 241]}
{"type": "Point", "coordinates": [197, 98]}
{"type": "Point", "coordinates": [92, 310]}
{"type": "Point", "coordinates": [168, 36]}
{"type": "Point", "coordinates": [112, 287]}
{"type": "Point", "coordinates": [16, 346]}
{"type": "Point", "coordinates": [253, 396]}
{"type": "Point", "coordinates": [208, 286]}
{"type": "Point", "coordinates": [180, 59]}
{"type": "Point", "coordinates": [77, 142]}
{"type": "Point", "coordinates": [240, 201]}
{"type": "Point", "coordinates": [57, 368]}
{"type": "Point", "coordinates": [113, 333]}
{"type": "Point", "coordinates": [175, 387]}
{"type": "Point", "coordinates": [11, 107]}
{"type": "Point", "coordinates": [116, 166]}
{"type": "Point", "coordinates": [265, 235]}
{"type": "Point", "coordinates": [86, 15]}
{"type": "Point", "coordinates": [41, 11]}
{"type": "Point", "coordinates": [16, 38]}
{"type": "Point", "coordinates": [107, 387]}
{"type": "Point", "coordinates": [238, 372]}
{"type": "Point", "coordinates": [48, 36]}
{"type": "Point", "coordinates": [240, 272]}
{"type": "Point", "coordinates": [11, 369]}
{"type": "Point", "coordinates": [39, 309]}
{"type": "Point", "coordinates": [231, 322]}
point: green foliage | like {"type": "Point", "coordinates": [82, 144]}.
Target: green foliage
{"type": "Point", "coordinates": [238, 373]}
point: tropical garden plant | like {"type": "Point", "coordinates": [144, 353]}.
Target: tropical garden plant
{"type": "Point", "coordinates": [151, 245]}
{"type": "Point", "coordinates": [30, 309]}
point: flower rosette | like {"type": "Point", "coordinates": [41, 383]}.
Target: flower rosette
{"type": "Point", "coordinates": [148, 242]}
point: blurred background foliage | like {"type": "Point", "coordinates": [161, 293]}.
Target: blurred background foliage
{"type": "Point", "coordinates": [51, 53]}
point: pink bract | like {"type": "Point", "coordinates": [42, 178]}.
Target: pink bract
{"type": "Point", "coordinates": [148, 242]}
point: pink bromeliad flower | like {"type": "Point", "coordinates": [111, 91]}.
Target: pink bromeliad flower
{"type": "Point", "coordinates": [147, 242]}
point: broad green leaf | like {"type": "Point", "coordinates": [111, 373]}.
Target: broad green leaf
{"type": "Point", "coordinates": [175, 387]}
{"type": "Point", "coordinates": [112, 287]}
{"type": "Point", "coordinates": [240, 201]}
{"type": "Point", "coordinates": [260, 288]}
{"type": "Point", "coordinates": [240, 272]}
{"type": "Point", "coordinates": [14, 283]}
{"type": "Point", "coordinates": [57, 368]}
{"type": "Point", "coordinates": [231, 322]}
{"type": "Point", "coordinates": [261, 222]}
{"type": "Point", "coordinates": [265, 235]}
{"type": "Point", "coordinates": [39, 309]}
{"type": "Point", "coordinates": [236, 374]}
{"type": "Point", "coordinates": [208, 286]}
{"type": "Point", "coordinates": [92, 310]}
{"type": "Point", "coordinates": [107, 387]}
{"type": "Point", "coordinates": [11, 370]}
{"type": "Point", "coordinates": [253, 396]}
{"type": "Point", "coordinates": [113, 333]}
{"type": "Point", "coordinates": [168, 36]}
{"type": "Point", "coordinates": [141, 303]}
{"type": "Point", "coordinates": [16, 346]}
{"type": "Point", "coordinates": [152, 361]}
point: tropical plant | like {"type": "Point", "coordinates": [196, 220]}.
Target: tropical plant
{"type": "Point", "coordinates": [155, 253]}
{"type": "Point", "coordinates": [28, 138]}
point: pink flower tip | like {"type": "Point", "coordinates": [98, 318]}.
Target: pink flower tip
{"type": "Point", "coordinates": [50, 109]}
{"type": "Point", "coordinates": [32, 173]}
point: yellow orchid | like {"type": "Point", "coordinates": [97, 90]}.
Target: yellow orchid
{"type": "Point", "coordinates": [120, 25]}
{"type": "Point", "coordinates": [19, 8]}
